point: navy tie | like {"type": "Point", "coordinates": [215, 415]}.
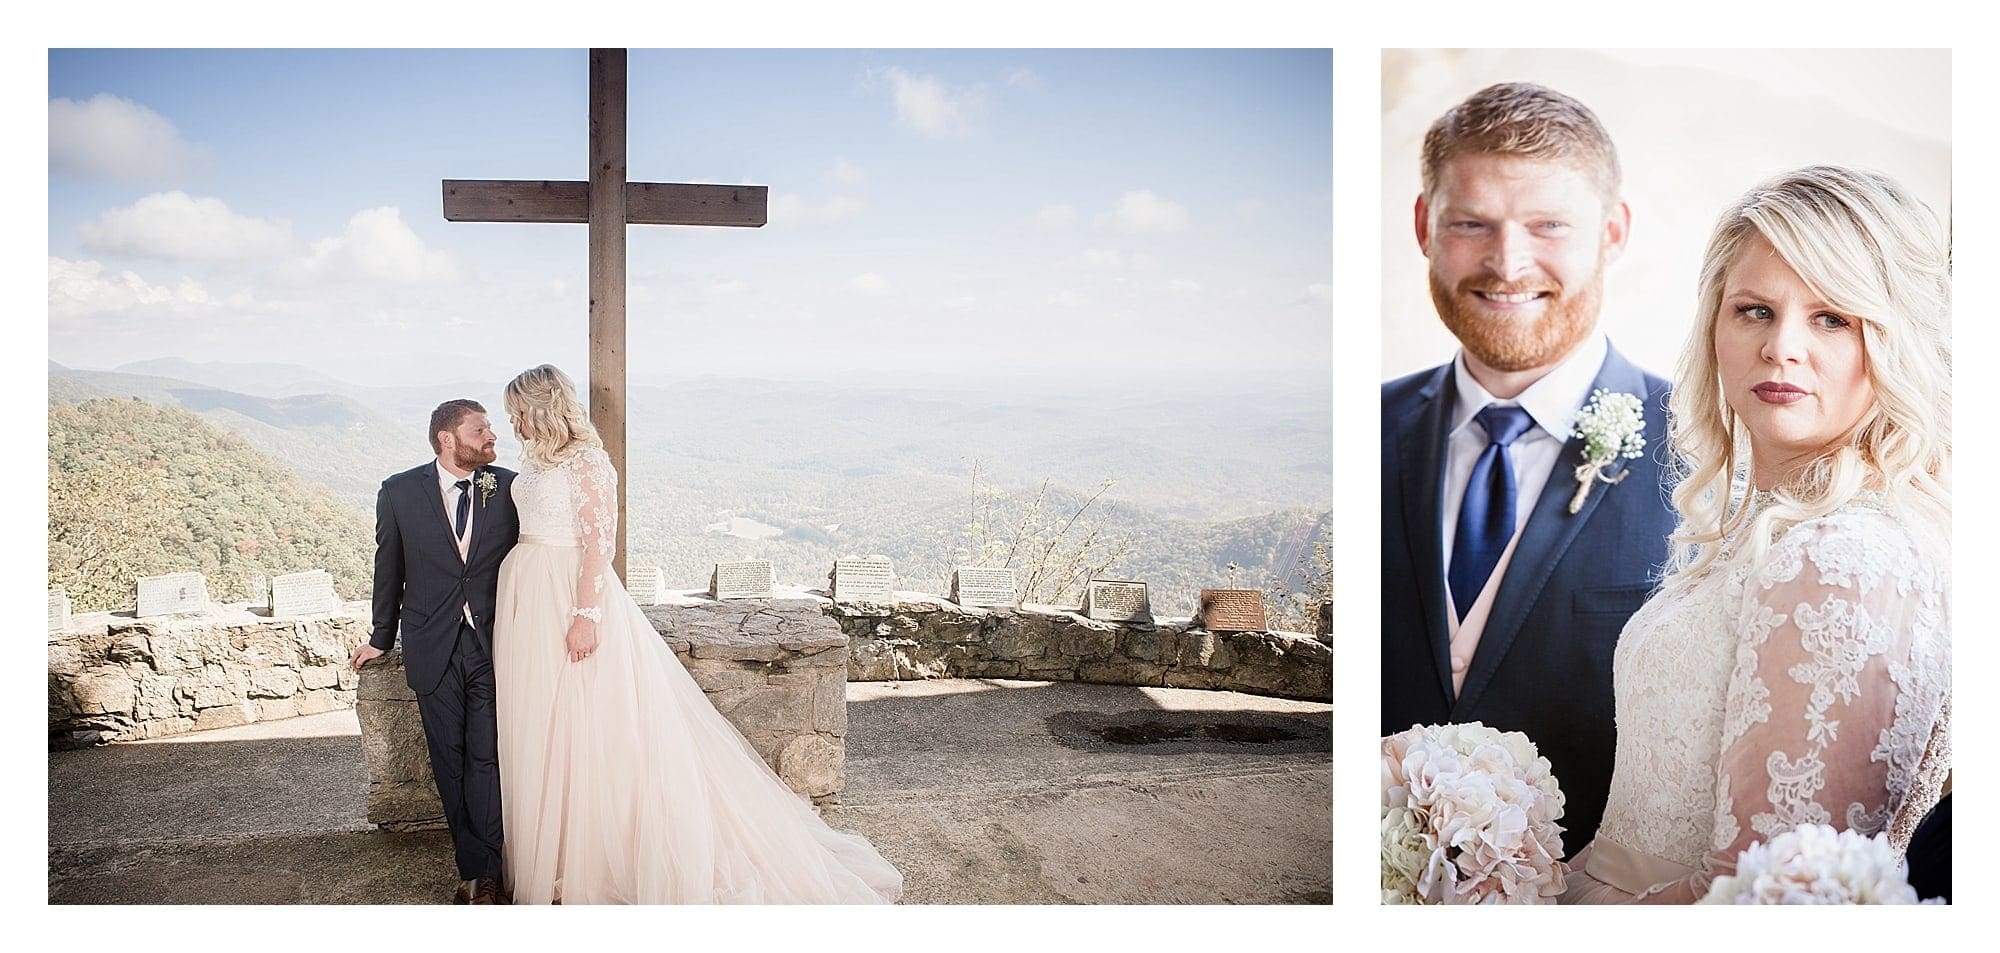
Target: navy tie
{"type": "Point", "coordinates": [465, 506]}
{"type": "Point", "coordinates": [1486, 518]}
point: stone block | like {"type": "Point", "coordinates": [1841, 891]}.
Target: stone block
{"type": "Point", "coordinates": [1205, 650]}
{"type": "Point", "coordinates": [323, 700]}
{"type": "Point", "coordinates": [813, 765]}
{"type": "Point", "coordinates": [871, 661]}
{"type": "Point", "coordinates": [1084, 640]}
{"type": "Point", "coordinates": [320, 676]}
{"type": "Point", "coordinates": [104, 691]}
{"type": "Point", "coordinates": [783, 704]}
{"type": "Point", "coordinates": [214, 696]}
{"type": "Point", "coordinates": [272, 709]}
{"type": "Point", "coordinates": [130, 648]}
{"type": "Point", "coordinates": [830, 703]}
{"type": "Point", "coordinates": [156, 698]}
{"type": "Point", "coordinates": [273, 683]}
{"type": "Point", "coordinates": [1120, 672]}
{"type": "Point", "coordinates": [224, 716]}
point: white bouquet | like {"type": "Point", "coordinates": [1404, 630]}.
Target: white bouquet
{"type": "Point", "coordinates": [1815, 864]}
{"type": "Point", "coordinates": [1469, 816]}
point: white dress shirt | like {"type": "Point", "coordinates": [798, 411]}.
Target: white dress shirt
{"type": "Point", "coordinates": [1551, 403]}
{"type": "Point", "coordinates": [448, 489]}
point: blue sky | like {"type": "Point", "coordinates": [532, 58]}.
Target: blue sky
{"type": "Point", "coordinates": [963, 212]}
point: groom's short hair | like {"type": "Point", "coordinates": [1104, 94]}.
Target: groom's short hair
{"type": "Point", "coordinates": [446, 417]}
{"type": "Point", "coordinates": [1526, 120]}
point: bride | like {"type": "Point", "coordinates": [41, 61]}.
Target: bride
{"type": "Point", "coordinates": [620, 782]}
{"type": "Point", "coordinates": [1796, 665]}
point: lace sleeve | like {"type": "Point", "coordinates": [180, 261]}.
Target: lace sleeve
{"type": "Point", "coordinates": [594, 488]}
{"type": "Point", "coordinates": [1841, 672]}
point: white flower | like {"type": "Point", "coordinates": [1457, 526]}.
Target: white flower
{"type": "Point", "coordinates": [1468, 816]}
{"type": "Point", "coordinates": [1612, 425]}
{"type": "Point", "coordinates": [1814, 864]}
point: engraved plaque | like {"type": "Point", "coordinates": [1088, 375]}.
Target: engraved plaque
{"type": "Point", "coordinates": [742, 579]}
{"type": "Point", "coordinates": [977, 586]}
{"type": "Point", "coordinates": [303, 593]}
{"type": "Point", "coordinates": [644, 583]}
{"type": "Point", "coordinates": [1232, 610]}
{"type": "Point", "coordinates": [863, 579]}
{"type": "Point", "coordinates": [58, 609]}
{"type": "Point", "coordinates": [1117, 600]}
{"type": "Point", "coordinates": [172, 594]}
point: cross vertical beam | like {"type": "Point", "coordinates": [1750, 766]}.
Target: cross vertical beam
{"type": "Point", "coordinates": [607, 270]}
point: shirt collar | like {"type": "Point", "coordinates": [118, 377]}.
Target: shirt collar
{"type": "Point", "coordinates": [1552, 401]}
{"type": "Point", "coordinates": [446, 481]}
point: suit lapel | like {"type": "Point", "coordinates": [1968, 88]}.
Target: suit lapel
{"type": "Point", "coordinates": [1421, 446]}
{"type": "Point", "coordinates": [1550, 531]}
{"type": "Point", "coordinates": [435, 504]}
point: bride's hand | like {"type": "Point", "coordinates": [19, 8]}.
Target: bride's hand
{"type": "Point", "coordinates": [582, 638]}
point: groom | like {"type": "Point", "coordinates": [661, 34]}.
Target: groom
{"type": "Point", "coordinates": [441, 530]}
{"type": "Point", "coordinates": [1499, 604]}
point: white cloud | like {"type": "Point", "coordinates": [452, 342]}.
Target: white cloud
{"type": "Point", "coordinates": [847, 173]}
{"type": "Point", "coordinates": [1183, 287]}
{"type": "Point", "coordinates": [869, 282]}
{"type": "Point", "coordinates": [109, 137]}
{"type": "Point", "coordinates": [1024, 78]}
{"type": "Point", "coordinates": [1066, 299]}
{"type": "Point", "coordinates": [1103, 259]}
{"type": "Point", "coordinates": [793, 210]}
{"type": "Point", "coordinates": [376, 246]}
{"type": "Point", "coordinates": [1319, 292]}
{"type": "Point", "coordinates": [82, 288]}
{"type": "Point", "coordinates": [175, 226]}
{"type": "Point", "coordinates": [1055, 217]}
{"type": "Point", "coordinates": [727, 286]}
{"type": "Point", "coordinates": [927, 105]}
{"type": "Point", "coordinates": [1143, 212]}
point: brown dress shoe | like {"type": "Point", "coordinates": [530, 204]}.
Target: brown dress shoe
{"type": "Point", "coordinates": [462, 894]}
{"type": "Point", "coordinates": [488, 893]}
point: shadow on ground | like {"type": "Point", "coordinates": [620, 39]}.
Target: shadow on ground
{"type": "Point", "coordinates": [980, 791]}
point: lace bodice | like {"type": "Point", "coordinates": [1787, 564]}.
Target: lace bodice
{"type": "Point", "coordinates": [575, 499]}
{"type": "Point", "coordinates": [1813, 686]}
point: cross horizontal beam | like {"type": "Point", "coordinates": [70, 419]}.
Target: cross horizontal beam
{"type": "Point", "coordinates": [646, 203]}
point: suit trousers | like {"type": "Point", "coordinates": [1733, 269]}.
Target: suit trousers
{"type": "Point", "coordinates": [460, 729]}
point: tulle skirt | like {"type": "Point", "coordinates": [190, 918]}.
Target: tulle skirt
{"type": "Point", "coordinates": [621, 783]}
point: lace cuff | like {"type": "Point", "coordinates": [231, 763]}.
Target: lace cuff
{"type": "Point", "coordinates": [593, 613]}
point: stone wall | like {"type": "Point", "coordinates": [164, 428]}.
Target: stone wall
{"type": "Point", "coordinates": [125, 678]}
{"type": "Point", "coordinates": [776, 668]}
{"type": "Point", "coordinates": [923, 636]}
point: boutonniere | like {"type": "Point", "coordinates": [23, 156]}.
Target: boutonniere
{"type": "Point", "coordinates": [487, 483]}
{"type": "Point", "coordinates": [1611, 426]}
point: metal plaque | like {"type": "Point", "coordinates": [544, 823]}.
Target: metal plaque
{"type": "Point", "coordinates": [1117, 600]}
{"type": "Point", "coordinates": [304, 593]}
{"type": "Point", "coordinates": [1233, 610]}
{"type": "Point", "coordinates": [172, 594]}
{"type": "Point", "coordinates": [979, 586]}
{"type": "Point", "coordinates": [645, 584]}
{"type": "Point", "coordinates": [742, 579]}
{"type": "Point", "coordinates": [863, 579]}
{"type": "Point", "coordinates": [58, 609]}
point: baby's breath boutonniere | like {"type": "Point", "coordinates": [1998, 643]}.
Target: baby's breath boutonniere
{"type": "Point", "coordinates": [1611, 426]}
{"type": "Point", "coordinates": [487, 483]}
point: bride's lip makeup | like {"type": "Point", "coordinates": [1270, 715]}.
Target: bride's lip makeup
{"type": "Point", "coordinates": [1779, 392]}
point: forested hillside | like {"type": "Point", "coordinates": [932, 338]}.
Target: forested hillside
{"type": "Point", "coordinates": [138, 490]}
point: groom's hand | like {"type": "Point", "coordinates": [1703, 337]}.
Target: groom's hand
{"type": "Point", "coordinates": [362, 653]}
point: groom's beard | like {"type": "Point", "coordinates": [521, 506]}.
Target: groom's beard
{"type": "Point", "coordinates": [1519, 343]}
{"type": "Point", "coordinates": [472, 458]}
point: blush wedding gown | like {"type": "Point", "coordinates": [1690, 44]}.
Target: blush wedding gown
{"type": "Point", "coordinates": [620, 782]}
{"type": "Point", "coordinates": [1811, 687]}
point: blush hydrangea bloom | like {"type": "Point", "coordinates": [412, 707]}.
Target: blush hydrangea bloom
{"type": "Point", "coordinates": [1814, 864]}
{"type": "Point", "coordinates": [1469, 816]}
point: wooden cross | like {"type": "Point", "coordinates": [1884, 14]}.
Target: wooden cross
{"type": "Point", "coordinates": [608, 203]}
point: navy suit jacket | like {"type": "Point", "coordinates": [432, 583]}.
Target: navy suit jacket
{"type": "Point", "coordinates": [421, 584]}
{"type": "Point", "coordinates": [1543, 664]}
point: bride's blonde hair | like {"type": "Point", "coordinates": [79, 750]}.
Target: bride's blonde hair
{"type": "Point", "coordinates": [1871, 251]}
{"type": "Point", "coordinates": [553, 423]}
